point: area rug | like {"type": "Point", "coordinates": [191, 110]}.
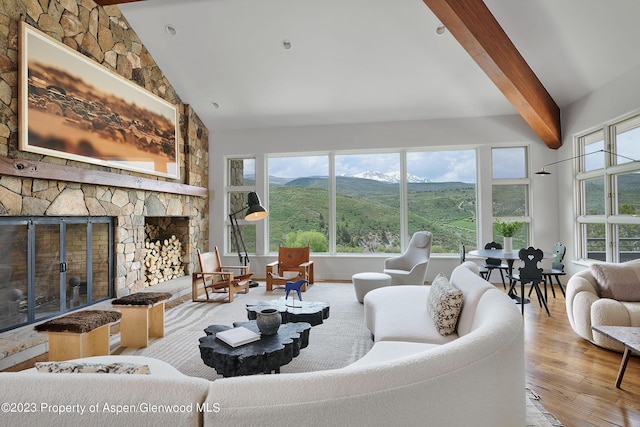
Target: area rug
{"type": "Point", "coordinates": [339, 341]}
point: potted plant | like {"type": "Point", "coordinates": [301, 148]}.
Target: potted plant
{"type": "Point", "coordinates": [508, 229]}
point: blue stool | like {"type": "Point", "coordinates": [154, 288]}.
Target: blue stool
{"type": "Point", "coordinates": [294, 286]}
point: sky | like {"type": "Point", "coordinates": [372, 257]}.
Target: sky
{"type": "Point", "coordinates": [436, 166]}
{"type": "Point", "coordinates": [626, 145]}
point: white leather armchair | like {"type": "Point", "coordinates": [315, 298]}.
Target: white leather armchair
{"type": "Point", "coordinates": [410, 268]}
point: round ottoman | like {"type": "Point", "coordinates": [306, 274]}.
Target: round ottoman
{"type": "Point", "coordinates": [365, 282]}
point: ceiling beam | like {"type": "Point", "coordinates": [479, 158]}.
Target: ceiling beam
{"type": "Point", "coordinates": [480, 34]}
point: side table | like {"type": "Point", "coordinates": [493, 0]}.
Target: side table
{"type": "Point", "coordinates": [629, 336]}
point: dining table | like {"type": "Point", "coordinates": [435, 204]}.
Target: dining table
{"type": "Point", "coordinates": [510, 257]}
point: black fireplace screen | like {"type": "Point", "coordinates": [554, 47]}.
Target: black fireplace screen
{"type": "Point", "coordinates": [52, 265]}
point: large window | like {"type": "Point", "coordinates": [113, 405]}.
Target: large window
{"type": "Point", "coordinates": [608, 180]}
{"type": "Point", "coordinates": [510, 191]}
{"type": "Point", "coordinates": [441, 197]}
{"type": "Point", "coordinates": [366, 202]}
{"type": "Point", "coordinates": [299, 202]}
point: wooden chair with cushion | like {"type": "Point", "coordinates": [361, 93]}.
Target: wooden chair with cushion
{"type": "Point", "coordinates": [293, 264]}
{"type": "Point", "coordinates": [217, 278]}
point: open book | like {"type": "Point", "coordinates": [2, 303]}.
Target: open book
{"type": "Point", "coordinates": [238, 336]}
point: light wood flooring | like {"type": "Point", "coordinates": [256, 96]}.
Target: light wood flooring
{"type": "Point", "coordinates": [574, 378]}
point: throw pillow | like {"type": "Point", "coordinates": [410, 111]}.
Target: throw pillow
{"type": "Point", "coordinates": [444, 304]}
{"type": "Point", "coordinates": [618, 281]}
{"type": "Point", "coordinates": [92, 368]}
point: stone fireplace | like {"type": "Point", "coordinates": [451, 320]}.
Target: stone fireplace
{"type": "Point", "coordinates": [127, 212]}
{"type": "Point", "coordinates": [33, 185]}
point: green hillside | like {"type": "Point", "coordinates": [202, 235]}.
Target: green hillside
{"type": "Point", "coordinates": [369, 213]}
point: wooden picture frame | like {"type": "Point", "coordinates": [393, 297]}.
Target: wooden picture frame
{"type": "Point", "coordinates": [74, 108]}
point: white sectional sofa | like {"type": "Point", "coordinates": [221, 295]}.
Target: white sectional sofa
{"type": "Point", "coordinates": [411, 377]}
{"type": "Point", "coordinates": [61, 399]}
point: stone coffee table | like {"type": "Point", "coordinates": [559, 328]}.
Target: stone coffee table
{"type": "Point", "coordinates": [264, 356]}
{"type": "Point", "coordinates": [312, 312]}
{"type": "Point", "coordinates": [629, 336]}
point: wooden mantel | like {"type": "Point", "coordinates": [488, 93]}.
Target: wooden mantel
{"type": "Point", "coordinates": [112, 2]}
{"type": "Point", "coordinates": [51, 171]}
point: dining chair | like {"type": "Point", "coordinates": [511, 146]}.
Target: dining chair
{"type": "Point", "coordinates": [463, 257]}
{"type": "Point", "coordinates": [556, 270]}
{"type": "Point", "coordinates": [495, 263]}
{"type": "Point", "coordinates": [530, 273]}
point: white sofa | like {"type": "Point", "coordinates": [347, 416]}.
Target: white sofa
{"type": "Point", "coordinates": [475, 377]}
{"type": "Point", "coordinates": [587, 305]}
{"type": "Point", "coordinates": [167, 397]}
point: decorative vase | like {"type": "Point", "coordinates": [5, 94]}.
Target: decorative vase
{"type": "Point", "coordinates": [268, 321]}
{"type": "Point", "coordinates": [508, 244]}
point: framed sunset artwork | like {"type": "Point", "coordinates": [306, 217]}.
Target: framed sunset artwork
{"type": "Point", "coordinates": [74, 108]}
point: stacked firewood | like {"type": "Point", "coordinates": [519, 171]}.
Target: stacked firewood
{"type": "Point", "coordinates": [163, 259]}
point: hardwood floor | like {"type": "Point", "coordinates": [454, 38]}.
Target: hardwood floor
{"type": "Point", "coordinates": [574, 378]}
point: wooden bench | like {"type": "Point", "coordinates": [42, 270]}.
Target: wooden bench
{"type": "Point", "coordinates": [142, 317]}
{"type": "Point", "coordinates": [79, 334]}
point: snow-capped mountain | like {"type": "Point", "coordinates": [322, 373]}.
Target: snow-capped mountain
{"type": "Point", "coordinates": [391, 177]}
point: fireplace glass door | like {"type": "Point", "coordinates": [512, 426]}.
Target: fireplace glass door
{"type": "Point", "coordinates": [52, 265]}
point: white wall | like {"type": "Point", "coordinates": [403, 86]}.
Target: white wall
{"type": "Point", "coordinates": [455, 133]}
{"type": "Point", "coordinates": [614, 100]}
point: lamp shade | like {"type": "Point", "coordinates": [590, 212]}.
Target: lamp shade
{"type": "Point", "coordinates": [543, 171]}
{"type": "Point", "coordinates": [255, 211]}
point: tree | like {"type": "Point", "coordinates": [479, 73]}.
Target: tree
{"type": "Point", "coordinates": [316, 241]}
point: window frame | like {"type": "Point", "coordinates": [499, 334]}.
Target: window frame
{"type": "Point", "coordinates": [611, 169]}
{"type": "Point", "coordinates": [402, 153]}
{"type": "Point", "coordinates": [525, 182]}
{"type": "Point", "coordinates": [230, 190]}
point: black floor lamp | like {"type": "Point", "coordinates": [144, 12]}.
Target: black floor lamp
{"type": "Point", "coordinates": [255, 212]}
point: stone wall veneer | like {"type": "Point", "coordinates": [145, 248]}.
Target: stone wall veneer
{"type": "Point", "coordinates": [103, 35]}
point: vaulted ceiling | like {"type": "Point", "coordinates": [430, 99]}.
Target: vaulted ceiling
{"type": "Point", "coordinates": [252, 64]}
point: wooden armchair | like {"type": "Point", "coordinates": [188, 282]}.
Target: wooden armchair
{"type": "Point", "coordinates": [293, 264]}
{"type": "Point", "coordinates": [217, 278]}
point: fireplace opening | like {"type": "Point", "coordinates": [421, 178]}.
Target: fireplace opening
{"type": "Point", "coordinates": [52, 265]}
{"type": "Point", "coordinates": [166, 245]}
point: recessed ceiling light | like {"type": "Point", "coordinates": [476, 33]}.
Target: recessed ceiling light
{"type": "Point", "coordinates": [215, 105]}
{"type": "Point", "coordinates": [286, 44]}
{"type": "Point", "coordinates": [170, 29]}
{"type": "Point", "coordinates": [440, 30]}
